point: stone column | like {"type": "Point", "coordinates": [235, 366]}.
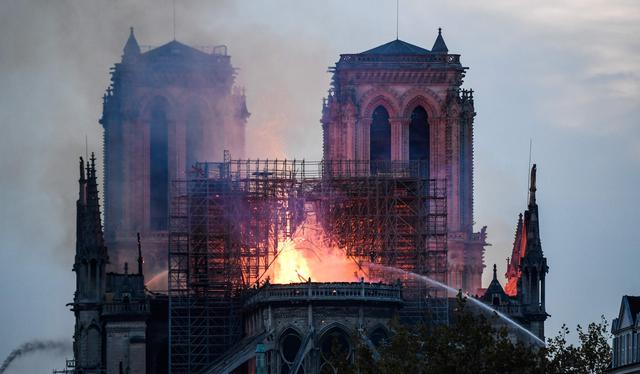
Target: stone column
{"type": "Point", "coordinates": [179, 151]}
{"type": "Point", "coordinates": [363, 146]}
{"type": "Point", "coordinates": [126, 186]}
{"type": "Point", "coordinates": [542, 278]}
{"type": "Point", "coordinates": [357, 139]}
{"type": "Point", "coordinates": [135, 155]}
{"type": "Point", "coordinates": [350, 139]}
{"type": "Point", "coordinates": [396, 139]}
{"type": "Point", "coordinates": [334, 140]}
{"type": "Point", "coordinates": [176, 150]}
{"type": "Point", "coordinates": [141, 162]}
{"type": "Point", "coordinates": [404, 139]}
{"type": "Point", "coordinates": [452, 155]}
{"type": "Point", "coordinates": [436, 148]}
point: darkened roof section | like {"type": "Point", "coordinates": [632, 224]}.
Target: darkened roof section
{"type": "Point", "coordinates": [175, 48]}
{"type": "Point", "coordinates": [397, 47]}
{"type": "Point", "coordinates": [634, 306]}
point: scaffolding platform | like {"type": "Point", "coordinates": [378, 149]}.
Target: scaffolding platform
{"type": "Point", "coordinates": [227, 219]}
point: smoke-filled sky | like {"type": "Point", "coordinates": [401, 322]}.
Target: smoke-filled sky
{"type": "Point", "coordinates": [562, 72]}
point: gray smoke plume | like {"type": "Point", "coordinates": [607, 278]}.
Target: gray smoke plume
{"type": "Point", "coordinates": [35, 346]}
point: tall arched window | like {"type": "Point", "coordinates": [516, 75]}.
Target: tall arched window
{"type": "Point", "coordinates": [159, 165]}
{"type": "Point", "coordinates": [289, 346]}
{"type": "Point", "coordinates": [379, 140]}
{"type": "Point", "coordinates": [334, 348]}
{"type": "Point", "coordinates": [419, 140]}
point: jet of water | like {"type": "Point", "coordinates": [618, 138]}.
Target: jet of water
{"type": "Point", "coordinates": [473, 300]}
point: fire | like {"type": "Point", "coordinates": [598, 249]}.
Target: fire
{"type": "Point", "coordinates": [290, 266]}
{"type": "Point", "coordinates": [511, 288]}
{"type": "Point", "coordinates": [308, 255]}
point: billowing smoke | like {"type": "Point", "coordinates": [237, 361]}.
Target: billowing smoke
{"type": "Point", "coordinates": [35, 346]}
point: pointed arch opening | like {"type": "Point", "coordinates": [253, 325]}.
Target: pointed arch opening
{"type": "Point", "coordinates": [159, 165]}
{"type": "Point", "coordinates": [419, 140]}
{"type": "Point", "coordinates": [335, 346]}
{"type": "Point", "coordinates": [379, 140]}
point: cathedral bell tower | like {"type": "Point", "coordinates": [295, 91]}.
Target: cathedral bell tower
{"type": "Point", "coordinates": [166, 108]}
{"type": "Point", "coordinates": [401, 105]}
{"type": "Point", "coordinates": [90, 263]}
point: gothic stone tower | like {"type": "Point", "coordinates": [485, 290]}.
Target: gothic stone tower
{"type": "Point", "coordinates": [166, 108]}
{"type": "Point", "coordinates": [527, 267]}
{"type": "Point", "coordinates": [523, 297]}
{"type": "Point", "coordinates": [111, 309]}
{"type": "Point", "coordinates": [90, 263]}
{"type": "Point", "coordinates": [402, 103]}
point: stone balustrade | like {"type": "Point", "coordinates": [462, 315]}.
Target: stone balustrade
{"type": "Point", "coordinates": [312, 291]}
{"type": "Point", "coordinates": [125, 308]}
{"type": "Point", "coordinates": [443, 58]}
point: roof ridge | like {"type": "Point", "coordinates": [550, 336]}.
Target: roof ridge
{"type": "Point", "coordinates": [397, 47]}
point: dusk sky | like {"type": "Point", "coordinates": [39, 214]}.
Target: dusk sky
{"type": "Point", "coordinates": [564, 73]}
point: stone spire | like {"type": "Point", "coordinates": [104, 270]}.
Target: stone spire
{"type": "Point", "coordinates": [89, 266]}
{"type": "Point", "coordinates": [439, 46]}
{"type": "Point", "coordinates": [531, 285]}
{"type": "Point", "coordinates": [532, 187]}
{"type": "Point", "coordinates": [495, 293]}
{"type": "Point", "coordinates": [131, 48]}
{"type": "Point", "coordinates": [89, 235]}
{"type": "Point", "coordinates": [93, 205]}
{"type": "Point", "coordinates": [531, 217]}
{"type": "Point", "coordinates": [140, 259]}
{"type": "Point", "coordinates": [83, 184]}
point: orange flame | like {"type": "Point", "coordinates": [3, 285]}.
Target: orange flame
{"type": "Point", "coordinates": [290, 266]}
{"type": "Point", "coordinates": [308, 255]}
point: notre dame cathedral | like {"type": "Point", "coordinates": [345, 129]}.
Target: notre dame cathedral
{"type": "Point", "coordinates": [398, 109]}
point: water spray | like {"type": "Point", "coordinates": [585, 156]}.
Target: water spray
{"type": "Point", "coordinates": [475, 301]}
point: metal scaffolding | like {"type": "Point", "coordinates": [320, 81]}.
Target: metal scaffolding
{"type": "Point", "coordinates": [228, 218]}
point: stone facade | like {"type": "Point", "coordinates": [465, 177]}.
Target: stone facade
{"type": "Point", "coordinates": [173, 105]}
{"type": "Point", "coordinates": [166, 108]}
{"type": "Point", "coordinates": [295, 326]}
{"type": "Point", "coordinates": [400, 103]}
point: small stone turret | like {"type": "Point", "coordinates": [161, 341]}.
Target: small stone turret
{"type": "Point", "coordinates": [131, 48]}
{"type": "Point", "coordinates": [439, 46]}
